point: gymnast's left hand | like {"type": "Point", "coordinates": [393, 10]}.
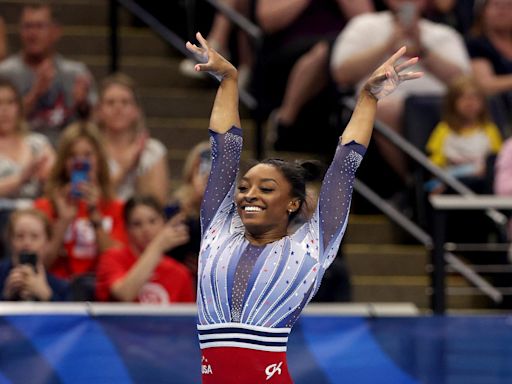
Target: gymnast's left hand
{"type": "Point", "coordinates": [211, 60]}
{"type": "Point", "coordinates": [390, 75]}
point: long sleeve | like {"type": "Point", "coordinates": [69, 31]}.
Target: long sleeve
{"type": "Point", "coordinates": [335, 197]}
{"type": "Point", "coordinates": [226, 151]}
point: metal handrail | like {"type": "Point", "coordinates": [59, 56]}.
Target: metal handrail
{"type": "Point", "coordinates": [499, 218]}
{"type": "Point", "coordinates": [424, 238]}
{"type": "Point", "coordinates": [165, 33]}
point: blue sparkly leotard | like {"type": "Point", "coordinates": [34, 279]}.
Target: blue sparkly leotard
{"type": "Point", "coordinates": [250, 296]}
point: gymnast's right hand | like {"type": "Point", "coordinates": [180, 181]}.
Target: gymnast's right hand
{"type": "Point", "coordinates": [211, 60]}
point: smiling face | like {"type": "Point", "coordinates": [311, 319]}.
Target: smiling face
{"type": "Point", "coordinates": [264, 201]}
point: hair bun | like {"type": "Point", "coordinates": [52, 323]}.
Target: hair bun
{"type": "Point", "coordinates": [314, 170]}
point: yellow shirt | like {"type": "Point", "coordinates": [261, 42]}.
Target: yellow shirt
{"type": "Point", "coordinates": [446, 146]}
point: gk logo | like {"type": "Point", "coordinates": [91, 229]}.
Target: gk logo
{"type": "Point", "coordinates": [272, 369]}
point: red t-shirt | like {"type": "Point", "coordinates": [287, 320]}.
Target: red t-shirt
{"type": "Point", "coordinates": [171, 281]}
{"type": "Point", "coordinates": [80, 251]}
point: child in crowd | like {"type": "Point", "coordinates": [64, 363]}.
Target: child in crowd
{"type": "Point", "coordinates": [141, 272]}
{"type": "Point", "coordinates": [86, 218]}
{"type": "Point", "coordinates": [138, 163]}
{"type": "Point", "coordinates": [23, 276]}
{"type": "Point", "coordinates": [466, 136]}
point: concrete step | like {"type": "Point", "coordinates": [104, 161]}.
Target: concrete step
{"type": "Point", "coordinates": [371, 229]}
{"type": "Point", "coordinates": [68, 12]}
{"type": "Point", "coordinates": [415, 289]}
{"type": "Point", "coordinates": [184, 133]}
{"type": "Point", "coordinates": [94, 40]}
{"type": "Point", "coordinates": [385, 259]}
{"type": "Point", "coordinates": [148, 71]}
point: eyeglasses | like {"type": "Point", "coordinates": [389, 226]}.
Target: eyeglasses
{"type": "Point", "coordinates": [35, 25]}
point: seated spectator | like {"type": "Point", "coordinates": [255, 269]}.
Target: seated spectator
{"type": "Point", "coordinates": [86, 219]}
{"type": "Point", "coordinates": [187, 201]}
{"type": "Point", "coordinates": [291, 70]}
{"type": "Point", "coordinates": [55, 90]}
{"type": "Point", "coordinates": [466, 136]}
{"type": "Point", "coordinates": [503, 174]}
{"type": "Point", "coordinates": [3, 39]}
{"type": "Point", "coordinates": [490, 48]}
{"type": "Point", "coordinates": [141, 272]}
{"type": "Point", "coordinates": [357, 51]}
{"type": "Point", "coordinates": [23, 276]}
{"type": "Point", "coordinates": [138, 163]}
{"type": "Point", "coordinates": [26, 158]}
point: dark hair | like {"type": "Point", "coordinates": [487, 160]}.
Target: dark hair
{"type": "Point", "coordinates": [147, 200]}
{"type": "Point", "coordinates": [297, 173]}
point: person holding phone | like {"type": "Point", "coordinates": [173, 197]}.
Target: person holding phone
{"type": "Point", "coordinates": [87, 219]}
{"type": "Point", "coordinates": [367, 39]}
{"type": "Point", "coordinates": [23, 275]}
{"type": "Point", "coordinates": [138, 162]}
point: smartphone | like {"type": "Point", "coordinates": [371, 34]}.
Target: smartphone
{"type": "Point", "coordinates": [79, 174]}
{"type": "Point", "coordinates": [28, 258]}
{"type": "Point", "coordinates": [407, 14]}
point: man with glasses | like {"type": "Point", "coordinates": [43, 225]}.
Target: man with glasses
{"type": "Point", "coordinates": [56, 90]}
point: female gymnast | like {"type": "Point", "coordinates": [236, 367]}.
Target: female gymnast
{"type": "Point", "coordinates": [254, 277]}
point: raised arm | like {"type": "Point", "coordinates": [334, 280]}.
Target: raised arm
{"type": "Point", "coordinates": [226, 136]}
{"type": "Point", "coordinates": [225, 107]}
{"type": "Point", "coordinates": [384, 80]}
{"type": "Point", "coordinates": [336, 191]}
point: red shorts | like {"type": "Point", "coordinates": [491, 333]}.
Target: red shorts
{"type": "Point", "coordinates": [232, 365]}
{"type": "Point", "coordinates": [234, 353]}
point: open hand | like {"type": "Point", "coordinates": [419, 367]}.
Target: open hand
{"type": "Point", "coordinates": [210, 60]}
{"type": "Point", "coordinates": [389, 75]}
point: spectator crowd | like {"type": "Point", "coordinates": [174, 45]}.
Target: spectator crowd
{"type": "Point", "coordinates": [86, 203]}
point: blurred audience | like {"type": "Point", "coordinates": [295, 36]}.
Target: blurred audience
{"type": "Point", "coordinates": [23, 276]}
{"type": "Point", "coordinates": [490, 48]}
{"type": "Point", "coordinates": [187, 201]}
{"type": "Point", "coordinates": [458, 14]}
{"type": "Point", "coordinates": [138, 163]}
{"type": "Point", "coordinates": [86, 219]}
{"type": "Point", "coordinates": [55, 90]}
{"type": "Point", "coordinates": [292, 67]}
{"type": "Point", "coordinates": [465, 138]}
{"type": "Point", "coordinates": [26, 157]}
{"type": "Point", "coordinates": [357, 51]}
{"type": "Point", "coordinates": [141, 272]}
{"type": "Point", "coordinates": [503, 175]}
